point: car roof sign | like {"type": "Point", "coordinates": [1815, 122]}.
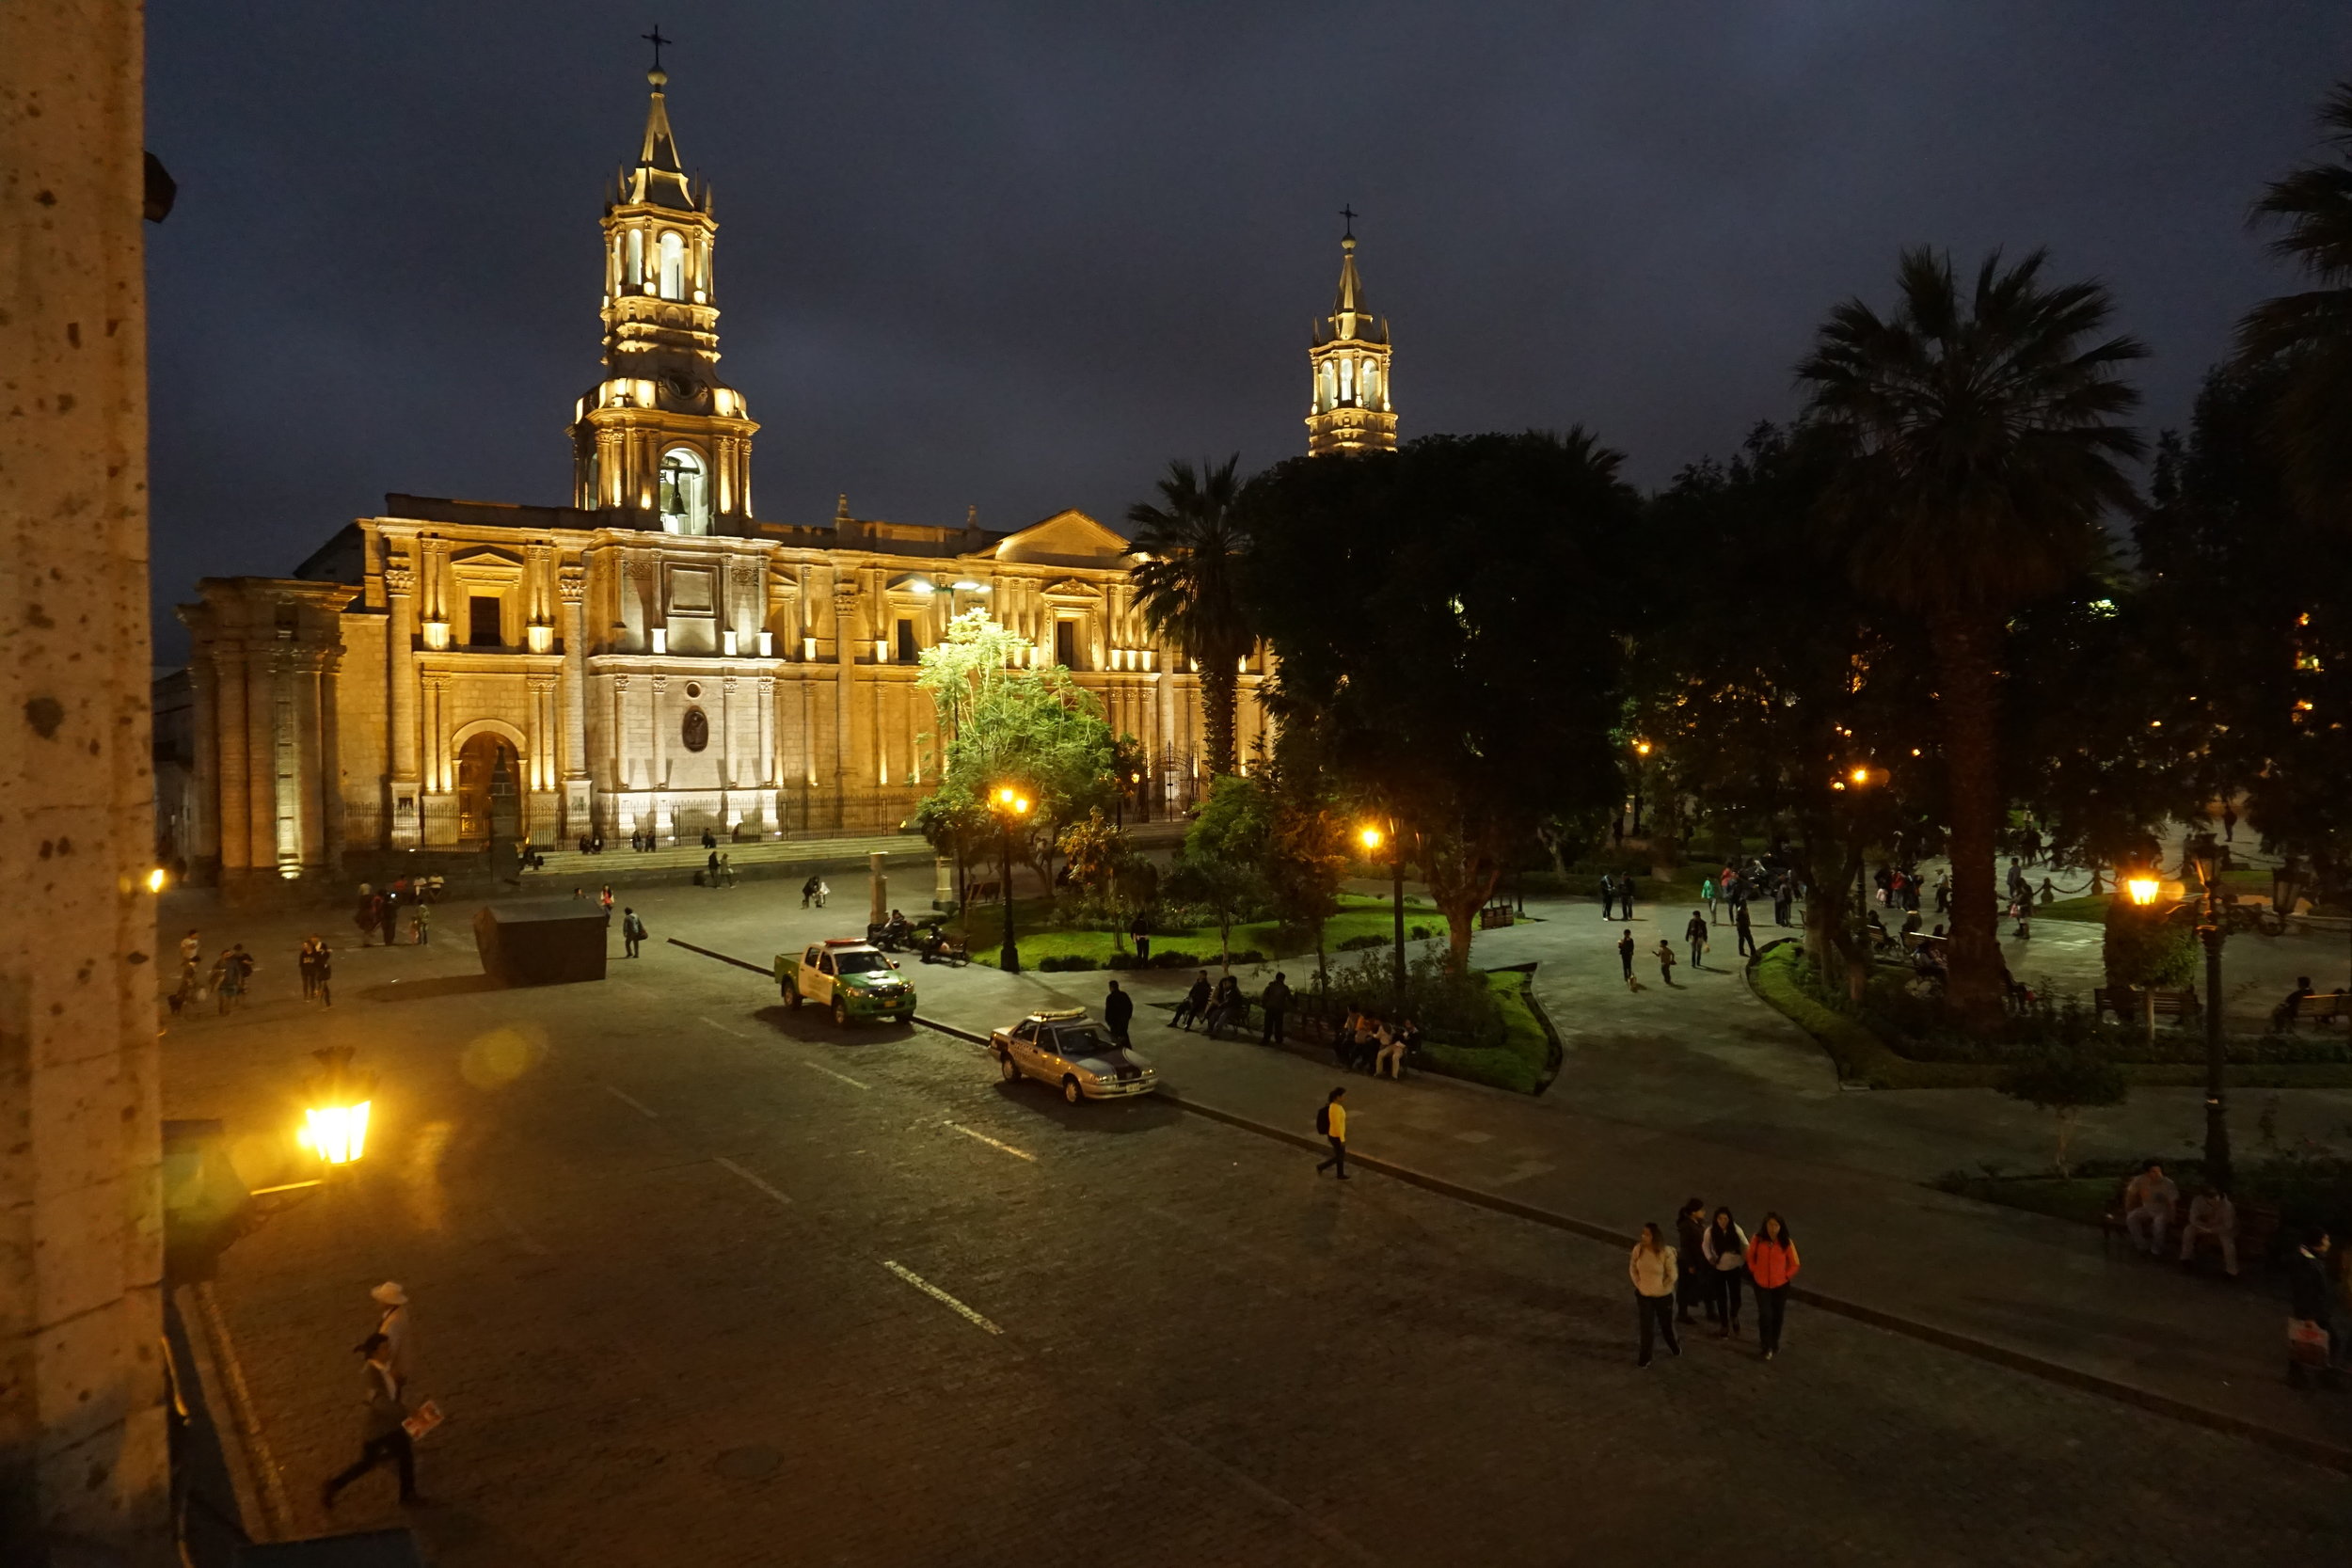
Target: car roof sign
{"type": "Point", "coordinates": [1058, 1015]}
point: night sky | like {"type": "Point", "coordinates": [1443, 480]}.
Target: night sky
{"type": "Point", "coordinates": [1020, 256]}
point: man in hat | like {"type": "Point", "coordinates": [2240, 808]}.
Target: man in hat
{"type": "Point", "coordinates": [393, 1326]}
{"type": "Point", "coordinates": [382, 1433]}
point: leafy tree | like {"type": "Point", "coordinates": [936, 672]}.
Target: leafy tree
{"type": "Point", "coordinates": [1467, 690]}
{"type": "Point", "coordinates": [1980, 434]}
{"type": "Point", "coordinates": [1307, 850]}
{"type": "Point", "coordinates": [1035, 728]}
{"type": "Point", "coordinates": [1217, 866]}
{"type": "Point", "coordinates": [2145, 947]}
{"type": "Point", "coordinates": [2309, 335]}
{"type": "Point", "coordinates": [1188, 587]}
{"type": "Point", "coordinates": [2065, 1079]}
{"type": "Point", "coordinates": [1094, 851]}
{"type": "Point", "coordinates": [1763, 724]}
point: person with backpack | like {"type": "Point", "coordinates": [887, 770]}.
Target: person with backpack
{"type": "Point", "coordinates": [1725, 1250]}
{"type": "Point", "coordinates": [1653, 1267]}
{"type": "Point", "coordinates": [632, 931]}
{"type": "Point", "coordinates": [1331, 1122]}
{"type": "Point", "coordinates": [1771, 1264]}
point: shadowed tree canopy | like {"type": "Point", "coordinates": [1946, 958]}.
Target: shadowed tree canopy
{"type": "Point", "coordinates": [1444, 620]}
{"type": "Point", "coordinates": [1982, 437]}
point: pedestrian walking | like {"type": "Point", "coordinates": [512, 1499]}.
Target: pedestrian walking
{"type": "Point", "coordinates": [1727, 1252]}
{"type": "Point", "coordinates": [1784, 895]}
{"type": "Point", "coordinates": [1652, 1267]}
{"type": "Point", "coordinates": [1624, 961]}
{"type": "Point", "coordinates": [364, 916]}
{"type": "Point", "coordinates": [1772, 1263]}
{"type": "Point", "coordinates": [393, 1323]}
{"type": "Point", "coordinates": [632, 931]}
{"type": "Point", "coordinates": [1331, 1122]}
{"type": "Point", "coordinates": [1943, 892]}
{"type": "Point", "coordinates": [1707, 897]}
{"type": "Point", "coordinates": [1693, 1282]}
{"type": "Point", "coordinates": [808, 891]}
{"type": "Point", "coordinates": [387, 917]}
{"type": "Point", "coordinates": [1746, 931]}
{"type": "Point", "coordinates": [1118, 1009]}
{"type": "Point", "coordinates": [323, 971]}
{"type": "Point", "coordinates": [1275, 1002]}
{"type": "Point", "coordinates": [1696, 933]}
{"type": "Point", "coordinates": [421, 924]}
{"type": "Point", "coordinates": [306, 962]}
{"type": "Point", "coordinates": [1666, 957]}
{"type": "Point", "coordinates": [191, 947]}
{"type": "Point", "coordinates": [604, 898]}
{"type": "Point", "coordinates": [1624, 894]}
{"type": "Point", "coordinates": [382, 1432]}
{"type": "Point", "coordinates": [824, 891]}
{"type": "Point", "coordinates": [1140, 933]}
{"type": "Point", "coordinates": [2312, 1343]}
{"type": "Point", "coordinates": [2229, 823]}
{"type": "Point", "coordinates": [188, 988]}
{"type": "Point", "coordinates": [711, 872]}
{"type": "Point", "coordinates": [1608, 897]}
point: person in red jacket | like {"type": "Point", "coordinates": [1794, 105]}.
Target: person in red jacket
{"type": "Point", "coordinates": [1771, 1264]}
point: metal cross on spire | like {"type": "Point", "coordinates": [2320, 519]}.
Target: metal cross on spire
{"type": "Point", "coordinates": [1350, 213]}
{"type": "Point", "coordinates": [656, 39]}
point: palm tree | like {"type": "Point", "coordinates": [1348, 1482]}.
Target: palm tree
{"type": "Point", "coordinates": [1187, 586]}
{"type": "Point", "coordinates": [2310, 334]}
{"type": "Point", "coordinates": [1979, 443]}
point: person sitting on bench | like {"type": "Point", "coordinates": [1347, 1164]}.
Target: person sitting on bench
{"type": "Point", "coordinates": [2148, 1200]}
{"type": "Point", "coordinates": [2211, 1213]}
{"type": "Point", "coordinates": [2285, 1014]}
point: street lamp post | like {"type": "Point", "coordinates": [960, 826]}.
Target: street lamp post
{"type": "Point", "coordinates": [1641, 755]}
{"type": "Point", "coordinates": [1371, 837]}
{"type": "Point", "coordinates": [2209, 858]}
{"type": "Point", "coordinates": [1011, 807]}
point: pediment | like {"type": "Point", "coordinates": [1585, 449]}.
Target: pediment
{"type": "Point", "coordinates": [1071, 588]}
{"type": "Point", "coordinates": [1067, 538]}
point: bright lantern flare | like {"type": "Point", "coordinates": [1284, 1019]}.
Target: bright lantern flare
{"type": "Point", "coordinates": [2143, 889]}
{"type": "Point", "coordinates": [1641, 748]}
{"type": "Point", "coordinates": [1861, 775]}
{"type": "Point", "coordinates": [155, 881]}
{"type": "Point", "coordinates": [338, 1134]}
{"type": "Point", "coordinates": [1370, 837]}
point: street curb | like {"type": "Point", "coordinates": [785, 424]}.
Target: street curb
{"type": "Point", "coordinates": [2309, 1450]}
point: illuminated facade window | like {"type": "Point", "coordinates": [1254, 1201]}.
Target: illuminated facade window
{"type": "Point", "coordinates": [685, 495]}
{"type": "Point", "coordinates": [633, 269]}
{"type": "Point", "coordinates": [672, 267]}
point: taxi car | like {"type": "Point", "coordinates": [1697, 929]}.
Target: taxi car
{"type": "Point", "coordinates": [1068, 1050]}
{"type": "Point", "coordinates": [853, 978]}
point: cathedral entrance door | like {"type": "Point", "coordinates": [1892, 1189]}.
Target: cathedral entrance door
{"type": "Point", "coordinates": [487, 768]}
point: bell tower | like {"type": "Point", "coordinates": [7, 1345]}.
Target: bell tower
{"type": "Point", "coordinates": [1350, 411]}
{"type": "Point", "coordinates": [661, 435]}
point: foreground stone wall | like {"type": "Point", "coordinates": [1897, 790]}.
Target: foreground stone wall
{"type": "Point", "coordinates": [83, 1468]}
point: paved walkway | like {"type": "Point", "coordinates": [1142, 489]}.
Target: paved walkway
{"type": "Point", "coordinates": [1702, 1090]}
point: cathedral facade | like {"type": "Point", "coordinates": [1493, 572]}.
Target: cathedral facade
{"type": "Point", "coordinates": [655, 657]}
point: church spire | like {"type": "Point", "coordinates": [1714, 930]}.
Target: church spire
{"type": "Point", "coordinates": [662, 436]}
{"type": "Point", "coordinates": [1350, 410]}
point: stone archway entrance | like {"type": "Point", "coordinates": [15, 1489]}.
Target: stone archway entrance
{"type": "Point", "coordinates": [488, 804]}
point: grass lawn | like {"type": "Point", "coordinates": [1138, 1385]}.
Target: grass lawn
{"type": "Point", "coordinates": [1359, 915]}
{"type": "Point", "coordinates": [2091, 908]}
{"type": "Point", "coordinates": [1521, 1063]}
{"type": "Point", "coordinates": [2081, 1199]}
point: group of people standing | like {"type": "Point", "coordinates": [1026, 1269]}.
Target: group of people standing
{"type": "Point", "coordinates": [1711, 1262]}
{"type": "Point", "coordinates": [378, 913]}
{"type": "Point", "coordinates": [226, 982]}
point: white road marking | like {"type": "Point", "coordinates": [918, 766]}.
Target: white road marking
{"type": "Point", "coordinates": [1016, 1153]}
{"type": "Point", "coordinates": [638, 1105]}
{"type": "Point", "coordinates": [939, 1295]}
{"type": "Point", "coordinates": [829, 1073]}
{"type": "Point", "coordinates": [724, 1030]}
{"type": "Point", "coordinates": [755, 1181]}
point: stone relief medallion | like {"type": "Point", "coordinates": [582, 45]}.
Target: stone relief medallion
{"type": "Point", "coordinates": [694, 689]}
{"type": "Point", "coordinates": [695, 734]}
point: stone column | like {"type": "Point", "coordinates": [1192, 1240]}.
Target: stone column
{"type": "Point", "coordinates": [83, 1465]}
{"type": "Point", "coordinates": [302, 675]}
{"type": "Point", "coordinates": [572, 582]}
{"type": "Point", "coordinates": [236, 816]}
{"type": "Point", "coordinates": [261, 751]}
{"type": "Point", "coordinates": [726, 750]}
{"type": "Point", "coordinates": [660, 780]}
{"type": "Point", "coordinates": [845, 693]}
{"type": "Point", "coordinates": [204, 719]}
{"type": "Point", "coordinates": [332, 750]}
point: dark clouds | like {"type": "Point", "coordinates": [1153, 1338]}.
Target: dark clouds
{"type": "Point", "coordinates": [1020, 256]}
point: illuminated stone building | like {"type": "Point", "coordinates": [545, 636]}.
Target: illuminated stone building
{"type": "Point", "coordinates": [654, 656]}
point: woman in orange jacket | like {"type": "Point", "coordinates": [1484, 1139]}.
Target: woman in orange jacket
{"type": "Point", "coordinates": [1771, 1264]}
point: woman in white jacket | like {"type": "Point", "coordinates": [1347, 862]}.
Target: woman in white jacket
{"type": "Point", "coordinates": [1725, 1250]}
{"type": "Point", "coordinates": [1652, 1268]}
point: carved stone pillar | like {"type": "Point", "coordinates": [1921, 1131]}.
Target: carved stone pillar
{"type": "Point", "coordinates": [845, 693]}
{"type": "Point", "coordinates": [400, 678]}
{"type": "Point", "coordinates": [331, 751]}
{"type": "Point", "coordinates": [659, 685]}
{"type": "Point", "coordinates": [572, 584]}
{"type": "Point", "coordinates": [305, 798]}
{"type": "Point", "coordinates": [204, 832]}
{"type": "Point", "coordinates": [261, 747]}
{"type": "Point", "coordinates": [235, 808]}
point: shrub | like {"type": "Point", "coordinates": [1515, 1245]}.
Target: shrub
{"type": "Point", "coordinates": [1062, 962]}
{"type": "Point", "coordinates": [2065, 1078]}
{"type": "Point", "coordinates": [1363, 943]}
{"type": "Point", "coordinates": [1176, 958]}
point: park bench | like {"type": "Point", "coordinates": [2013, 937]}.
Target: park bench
{"type": "Point", "coordinates": [977, 894]}
{"type": "Point", "coordinates": [1494, 914]}
{"type": "Point", "coordinates": [2129, 1003]}
{"type": "Point", "coordinates": [953, 950]}
{"type": "Point", "coordinates": [2257, 1227]}
{"type": "Point", "coordinates": [2316, 1009]}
